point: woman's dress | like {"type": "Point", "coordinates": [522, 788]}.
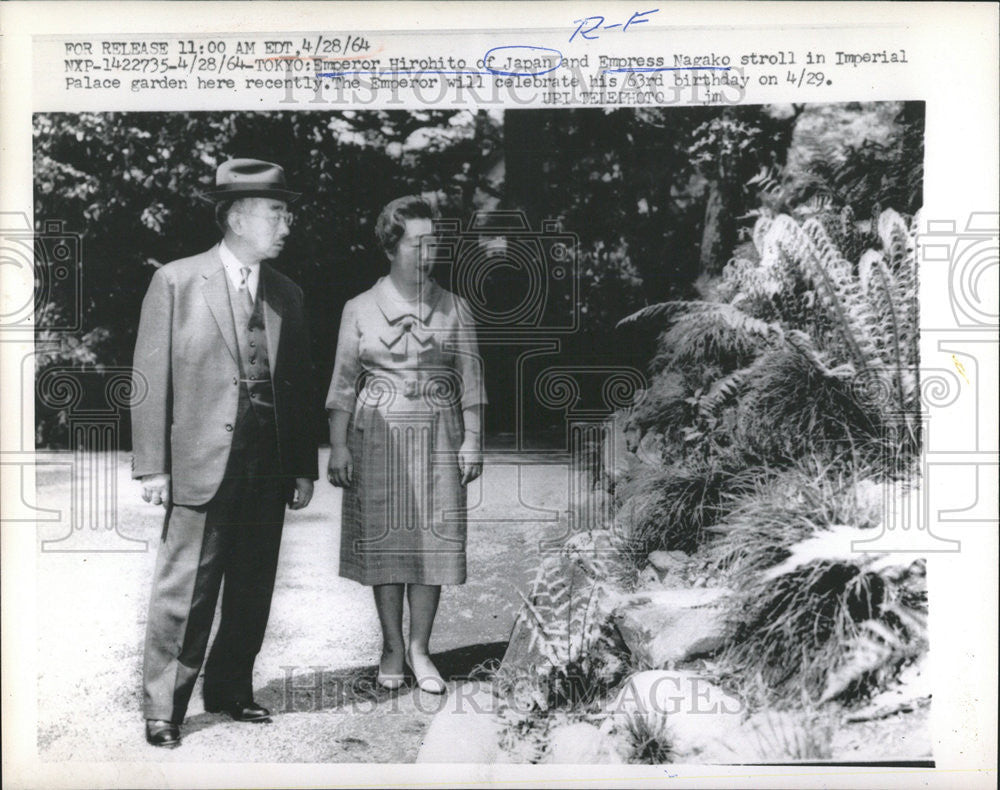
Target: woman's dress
{"type": "Point", "coordinates": [405, 371]}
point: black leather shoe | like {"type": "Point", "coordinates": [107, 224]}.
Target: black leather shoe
{"type": "Point", "coordinates": [240, 711]}
{"type": "Point", "coordinates": [164, 734]}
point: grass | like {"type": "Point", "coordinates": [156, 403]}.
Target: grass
{"type": "Point", "coordinates": [793, 409]}
{"type": "Point", "coordinates": [673, 507]}
{"type": "Point", "coordinates": [649, 740]}
{"type": "Point", "coordinates": [826, 622]}
{"type": "Point", "coordinates": [783, 737]}
{"type": "Point", "coordinates": [793, 630]}
{"type": "Point", "coordinates": [785, 508]}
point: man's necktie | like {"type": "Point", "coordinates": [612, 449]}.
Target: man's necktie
{"type": "Point", "coordinates": [245, 288]}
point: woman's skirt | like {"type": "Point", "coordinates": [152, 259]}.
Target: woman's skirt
{"type": "Point", "coordinates": [404, 516]}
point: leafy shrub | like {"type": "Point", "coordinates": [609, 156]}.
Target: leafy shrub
{"type": "Point", "coordinates": [811, 354]}
{"type": "Point", "coordinates": [709, 334]}
{"type": "Point", "coordinates": [875, 158]}
{"type": "Point", "coordinates": [664, 406]}
{"type": "Point", "coordinates": [63, 351]}
{"type": "Point", "coordinates": [812, 619]}
{"type": "Point", "coordinates": [671, 507]}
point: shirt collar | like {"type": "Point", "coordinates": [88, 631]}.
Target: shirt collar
{"type": "Point", "coordinates": [394, 308]}
{"type": "Point", "coordinates": [232, 265]}
{"type": "Point", "coordinates": [230, 261]}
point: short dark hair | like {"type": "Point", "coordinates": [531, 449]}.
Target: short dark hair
{"type": "Point", "coordinates": [391, 223]}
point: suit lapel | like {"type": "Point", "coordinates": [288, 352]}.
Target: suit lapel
{"type": "Point", "coordinates": [216, 294]}
{"type": "Point", "coordinates": [273, 309]}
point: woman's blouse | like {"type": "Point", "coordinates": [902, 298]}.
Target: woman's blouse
{"type": "Point", "coordinates": [399, 356]}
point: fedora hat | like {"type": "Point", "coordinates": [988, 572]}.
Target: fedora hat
{"type": "Point", "coordinates": [241, 178]}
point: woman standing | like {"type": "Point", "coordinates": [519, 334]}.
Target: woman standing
{"type": "Point", "coordinates": [405, 406]}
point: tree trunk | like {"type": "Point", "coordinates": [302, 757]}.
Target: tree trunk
{"type": "Point", "coordinates": [524, 135]}
{"type": "Point", "coordinates": [719, 235]}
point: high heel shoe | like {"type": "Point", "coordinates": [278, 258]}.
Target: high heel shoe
{"type": "Point", "coordinates": [428, 678]}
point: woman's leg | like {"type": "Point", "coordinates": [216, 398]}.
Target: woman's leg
{"type": "Point", "coordinates": [389, 603]}
{"type": "Point", "coordinates": [423, 600]}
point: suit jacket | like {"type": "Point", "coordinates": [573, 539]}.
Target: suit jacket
{"type": "Point", "coordinates": [186, 374]}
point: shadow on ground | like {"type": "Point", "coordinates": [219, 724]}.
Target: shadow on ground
{"type": "Point", "coordinates": [354, 688]}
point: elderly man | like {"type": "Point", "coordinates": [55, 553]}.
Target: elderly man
{"type": "Point", "coordinates": [222, 440]}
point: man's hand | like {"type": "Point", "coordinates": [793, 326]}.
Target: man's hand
{"type": "Point", "coordinates": [470, 459]}
{"type": "Point", "coordinates": [302, 494]}
{"type": "Point", "coordinates": [340, 468]}
{"type": "Point", "coordinates": [156, 489]}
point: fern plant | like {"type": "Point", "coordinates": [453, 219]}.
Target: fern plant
{"type": "Point", "coordinates": [580, 655]}
{"type": "Point", "coordinates": [825, 170]}
{"type": "Point", "coordinates": [803, 330]}
{"type": "Point", "coordinates": [579, 660]}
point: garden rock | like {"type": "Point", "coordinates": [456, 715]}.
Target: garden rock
{"type": "Point", "coordinates": [668, 568]}
{"type": "Point", "coordinates": [581, 743]}
{"type": "Point", "coordinates": [668, 626]}
{"type": "Point", "coordinates": [668, 561]}
{"type": "Point", "coordinates": [465, 730]}
{"type": "Point", "coordinates": [650, 448]}
{"type": "Point", "coordinates": [649, 579]}
{"type": "Point", "coordinates": [701, 720]}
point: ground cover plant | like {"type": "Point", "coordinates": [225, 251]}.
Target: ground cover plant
{"type": "Point", "coordinates": [782, 412]}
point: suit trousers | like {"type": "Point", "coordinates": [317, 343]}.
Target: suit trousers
{"type": "Point", "coordinates": [232, 541]}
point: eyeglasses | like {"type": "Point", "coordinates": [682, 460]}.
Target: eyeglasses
{"type": "Point", "coordinates": [277, 216]}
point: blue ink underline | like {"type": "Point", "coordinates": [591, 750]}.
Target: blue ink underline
{"type": "Point", "coordinates": [497, 73]}
{"type": "Point", "coordinates": [492, 72]}
{"type": "Point", "coordinates": [652, 69]}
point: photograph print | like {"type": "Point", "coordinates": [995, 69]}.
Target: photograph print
{"type": "Point", "coordinates": [496, 436]}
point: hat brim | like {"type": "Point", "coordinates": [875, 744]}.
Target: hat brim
{"type": "Point", "coordinates": [219, 195]}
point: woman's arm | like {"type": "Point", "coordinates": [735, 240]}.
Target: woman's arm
{"type": "Point", "coordinates": [470, 454]}
{"type": "Point", "coordinates": [470, 367]}
{"type": "Point", "coordinates": [472, 419]}
{"type": "Point", "coordinates": [341, 397]}
{"type": "Point", "coordinates": [340, 469]}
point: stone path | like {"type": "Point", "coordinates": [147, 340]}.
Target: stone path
{"type": "Point", "coordinates": [318, 661]}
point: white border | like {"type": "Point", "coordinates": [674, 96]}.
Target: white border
{"type": "Point", "coordinates": [958, 77]}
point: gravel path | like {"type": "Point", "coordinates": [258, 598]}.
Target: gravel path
{"type": "Point", "coordinates": [317, 667]}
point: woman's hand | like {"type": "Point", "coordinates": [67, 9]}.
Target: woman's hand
{"type": "Point", "coordinates": [470, 459]}
{"type": "Point", "coordinates": [340, 469]}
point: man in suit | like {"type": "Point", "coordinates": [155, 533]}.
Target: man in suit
{"type": "Point", "coordinates": [222, 439]}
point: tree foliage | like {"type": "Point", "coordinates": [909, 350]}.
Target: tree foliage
{"type": "Point", "coordinates": [129, 185]}
{"type": "Point", "coordinates": [784, 399]}
{"type": "Point", "coordinates": [635, 185]}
